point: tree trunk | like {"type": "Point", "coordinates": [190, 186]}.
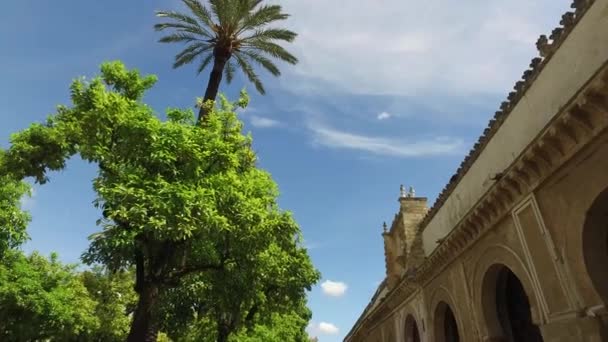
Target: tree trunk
{"type": "Point", "coordinates": [143, 328]}
{"type": "Point", "coordinates": [219, 62]}
{"type": "Point", "coordinates": [223, 331]}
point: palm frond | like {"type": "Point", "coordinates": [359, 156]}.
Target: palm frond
{"type": "Point", "coordinates": [263, 16]}
{"type": "Point", "coordinates": [250, 73]}
{"type": "Point", "coordinates": [179, 37]}
{"type": "Point", "coordinates": [221, 10]}
{"type": "Point", "coordinates": [229, 70]}
{"type": "Point", "coordinates": [184, 28]}
{"type": "Point", "coordinates": [266, 63]}
{"type": "Point", "coordinates": [243, 9]}
{"type": "Point", "coordinates": [177, 16]}
{"type": "Point", "coordinates": [204, 63]}
{"type": "Point", "coordinates": [272, 34]}
{"type": "Point", "coordinates": [271, 49]}
{"type": "Point", "coordinates": [253, 4]}
{"type": "Point", "coordinates": [187, 55]}
{"type": "Point", "coordinates": [200, 11]}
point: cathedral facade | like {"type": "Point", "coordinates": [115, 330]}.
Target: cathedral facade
{"type": "Point", "coordinates": [515, 248]}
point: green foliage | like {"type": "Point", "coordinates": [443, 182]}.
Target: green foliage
{"type": "Point", "coordinates": [183, 203]}
{"type": "Point", "coordinates": [42, 299]}
{"type": "Point", "coordinates": [229, 28]}
{"type": "Point", "coordinates": [13, 220]}
{"type": "Point", "coordinates": [115, 301]}
{"type": "Point", "coordinates": [281, 327]}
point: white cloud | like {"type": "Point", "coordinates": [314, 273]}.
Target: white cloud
{"type": "Point", "coordinates": [322, 328]}
{"type": "Point", "coordinates": [334, 288]}
{"type": "Point", "coordinates": [459, 47]}
{"type": "Point", "coordinates": [384, 116]}
{"type": "Point", "coordinates": [261, 122]}
{"type": "Point", "coordinates": [328, 328]}
{"type": "Point", "coordinates": [333, 138]}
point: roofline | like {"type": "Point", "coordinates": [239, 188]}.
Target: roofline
{"type": "Point", "coordinates": [547, 48]}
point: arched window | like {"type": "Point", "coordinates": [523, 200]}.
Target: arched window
{"type": "Point", "coordinates": [446, 327]}
{"type": "Point", "coordinates": [505, 301]}
{"type": "Point", "coordinates": [412, 334]}
{"type": "Point", "coordinates": [595, 244]}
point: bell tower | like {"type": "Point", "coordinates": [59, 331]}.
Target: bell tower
{"type": "Point", "coordinates": [403, 241]}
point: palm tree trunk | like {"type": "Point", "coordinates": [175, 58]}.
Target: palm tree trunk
{"type": "Point", "coordinates": [143, 328]}
{"type": "Point", "coordinates": [213, 86]}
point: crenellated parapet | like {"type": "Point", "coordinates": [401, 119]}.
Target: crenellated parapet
{"type": "Point", "coordinates": [547, 46]}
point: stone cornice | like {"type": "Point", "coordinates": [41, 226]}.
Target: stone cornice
{"type": "Point", "coordinates": [579, 122]}
{"type": "Point", "coordinates": [582, 119]}
{"type": "Point", "coordinates": [547, 46]}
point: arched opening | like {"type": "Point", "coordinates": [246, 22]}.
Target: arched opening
{"type": "Point", "coordinates": [507, 307]}
{"type": "Point", "coordinates": [595, 244]}
{"type": "Point", "coordinates": [411, 330]}
{"type": "Point", "coordinates": [446, 327]}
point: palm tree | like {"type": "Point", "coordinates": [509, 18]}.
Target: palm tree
{"type": "Point", "coordinates": [229, 33]}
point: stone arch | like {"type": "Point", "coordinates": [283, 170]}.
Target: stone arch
{"type": "Point", "coordinates": [506, 307]}
{"type": "Point", "coordinates": [487, 272]}
{"type": "Point", "coordinates": [445, 317]}
{"type": "Point", "coordinates": [411, 329]}
{"type": "Point", "coordinates": [595, 244]}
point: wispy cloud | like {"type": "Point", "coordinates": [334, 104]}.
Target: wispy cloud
{"type": "Point", "coordinates": [332, 138]}
{"type": "Point", "coordinates": [422, 46]}
{"type": "Point", "coordinates": [383, 116]}
{"type": "Point", "coordinates": [334, 288]}
{"type": "Point", "coordinates": [322, 328]}
{"type": "Point", "coordinates": [262, 122]}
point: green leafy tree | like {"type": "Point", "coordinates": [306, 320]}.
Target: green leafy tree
{"type": "Point", "coordinates": [179, 200]}
{"type": "Point", "coordinates": [279, 327]}
{"type": "Point", "coordinates": [229, 34]}
{"type": "Point", "coordinates": [42, 299]}
{"type": "Point", "coordinates": [115, 302]}
{"type": "Point", "coordinates": [13, 220]}
{"type": "Point", "coordinates": [273, 284]}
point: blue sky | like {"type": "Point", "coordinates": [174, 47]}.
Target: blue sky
{"type": "Point", "coordinates": [387, 92]}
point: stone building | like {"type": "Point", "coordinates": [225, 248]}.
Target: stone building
{"type": "Point", "coordinates": [516, 246]}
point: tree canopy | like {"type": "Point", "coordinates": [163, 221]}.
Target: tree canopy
{"type": "Point", "coordinates": [42, 299]}
{"type": "Point", "coordinates": [183, 203]}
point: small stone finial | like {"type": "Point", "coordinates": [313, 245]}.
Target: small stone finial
{"type": "Point", "coordinates": [411, 192]}
{"type": "Point", "coordinates": [384, 226]}
{"type": "Point", "coordinates": [402, 192]}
